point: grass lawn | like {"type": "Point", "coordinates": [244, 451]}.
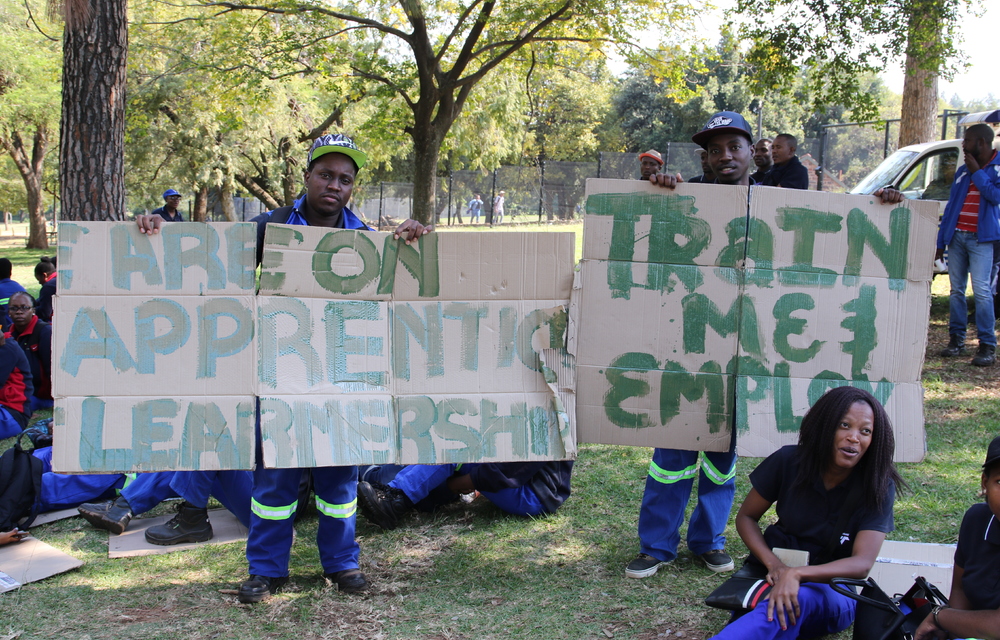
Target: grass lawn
{"type": "Point", "coordinates": [471, 572]}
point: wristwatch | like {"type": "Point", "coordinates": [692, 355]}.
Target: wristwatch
{"type": "Point", "coordinates": [935, 611]}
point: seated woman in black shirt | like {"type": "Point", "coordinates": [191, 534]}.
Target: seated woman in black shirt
{"type": "Point", "coordinates": [973, 609]}
{"type": "Point", "coordinates": [834, 493]}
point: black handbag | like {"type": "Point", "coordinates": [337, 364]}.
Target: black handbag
{"type": "Point", "coordinates": [880, 617]}
{"type": "Point", "coordinates": [742, 591]}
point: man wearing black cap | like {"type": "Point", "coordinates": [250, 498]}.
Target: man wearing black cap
{"type": "Point", "coordinates": [333, 163]}
{"type": "Point", "coordinates": [169, 210]}
{"type": "Point", "coordinates": [728, 140]}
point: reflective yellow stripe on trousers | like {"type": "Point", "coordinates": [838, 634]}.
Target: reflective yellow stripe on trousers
{"type": "Point", "coordinates": [337, 510]}
{"type": "Point", "coordinates": [713, 472]}
{"type": "Point", "coordinates": [273, 513]}
{"type": "Point", "coordinates": [670, 477]}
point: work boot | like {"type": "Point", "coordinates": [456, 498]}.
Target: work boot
{"type": "Point", "coordinates": [382, 505]}
{"type": "Point", "coordinates": [956, 347]}
{"type": "Point", "coordinates": [259, 587]}
{"type": "Point", "coordinates": [112, 516]}
{"type": "Point", "coordinates": [985, 356]}
{"type": "Point", "coordinates": [348, 580]}
{"type": "Point", "coordinates": [189, 525]}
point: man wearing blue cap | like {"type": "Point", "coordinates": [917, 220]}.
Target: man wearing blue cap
{"type": "Point", "coordinates": [333, 163]}
{"type": "Point", "coordinates": [169, 210]}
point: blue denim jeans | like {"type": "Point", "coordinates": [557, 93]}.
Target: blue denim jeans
{"type": "Point", "coordinates": [967, 257]}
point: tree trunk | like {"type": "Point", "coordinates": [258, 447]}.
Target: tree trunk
{"type": "Point", "coordinates": [200, 213]}
{"type": "Point", "coordinates": [91, 141]}
{"type": "Point", "coordinates": [426, 149]}
{"type": "Point", "coordinates": [920, 104]}
{"type": "Point", "coordinates": [920, 94]}
{"type": "Point", "coordinates": [31, 174]}
{"type": "Point", "coordinates": [226, 199]}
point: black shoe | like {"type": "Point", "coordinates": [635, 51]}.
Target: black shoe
{"type": "Point", "coordinates": [643, 566]}
{"type": "Point", "coordinates": [718, 561]}
{"type": "Point", "coordinates": [382, 505]}
{"type": "Point", "coordinates": [956, 347]}
{"type": "Point", "coordinates": [985, 356]}
{"type": "Point", "coordinates": [110, 516]}
{"type": "Point", "coordinates": [259, 587]}
{"type": "Point", "coordinates": [189, 525]}
{"type": "Point", "coordinates": [348, 580]}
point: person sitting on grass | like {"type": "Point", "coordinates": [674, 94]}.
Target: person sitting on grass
{"type": "Point", "coordinates": [973, 609]}
{"type": "Point", "coordinates": [518, 488]}
{"type": "Point", "coordinates": [15, 389]}
{"type": "Point", "coordinates": [45, 274]}
{"type": "Point", "coordinates": [64, 491]}
{"type": "Point", "coordinates": [34, 335]}
{"type": "Point", "coordinates": [834, 494]}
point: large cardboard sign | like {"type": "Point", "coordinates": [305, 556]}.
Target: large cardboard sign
{"type": "Point", "coordinates": [358, 349]}
{"type": "Point", "coordinates": [424, 353]}
{"type": "Point", "coordinates": [730, 308]}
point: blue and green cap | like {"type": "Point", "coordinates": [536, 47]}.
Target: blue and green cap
{"type": "Point", "coordinates": [336, 143]}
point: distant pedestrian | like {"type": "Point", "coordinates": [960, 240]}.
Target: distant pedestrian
{"type": "Point", "coordinates": [650, 163]}
{"type": "Point", "coordinates": [475, 208]}
{"type": "Point", "coordinates": [169, 211]}
{"type": "Point", "coordinates": [787, 172]}
{"type": "Point", "coordinates": [762, 158]}
{"type": "Point", "coordinates": [498, 202]}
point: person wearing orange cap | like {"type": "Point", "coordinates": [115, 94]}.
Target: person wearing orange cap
{"type": "Point", "coordinates": [650, 163]}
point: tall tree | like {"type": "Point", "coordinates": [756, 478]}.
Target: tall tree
{"type": "Point", "coordinates": [431, 54]}
{"type": "Point", "coordinates": [29, 103]}
{"type": "Point", "coordinates": [92, 130]}
{"type": "Point", "coordinates": [841, 40]}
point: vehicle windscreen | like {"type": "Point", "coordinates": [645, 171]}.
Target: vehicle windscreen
{"type": "Point", "coordinates": [883, 175]}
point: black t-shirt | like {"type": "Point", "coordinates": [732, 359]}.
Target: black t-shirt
{"type": "Point", "coordinates": [978, 553]}
{"type": "Point", "coordinates": [808, 515]}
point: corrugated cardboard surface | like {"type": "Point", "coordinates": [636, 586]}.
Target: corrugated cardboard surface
{"type": "Point", "coordinates": [372, 351]}
{"type": "Point", "coordinates": [899, 563]}
{"type": "Point", "coordinates": [316, 430]}
{"type": "Point", "coordinates": [122, 434]}
{"type": "Point", "coordinates": [32, 560]}
{"type": "Point", "coordinates": [833, 287]}
{"type": "Point", "coordinates": [225, 528]}
{"type": "Point", "coordinates": [192, 258]}
{"type": "Point", "coordinates": [364, 265]}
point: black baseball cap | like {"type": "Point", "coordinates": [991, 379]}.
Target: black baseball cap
{"type": "Point", "coordinates": [723, 122]}
{"type": "Point", "coordinates": [992, 453]}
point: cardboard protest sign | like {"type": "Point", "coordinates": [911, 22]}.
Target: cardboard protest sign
{"type": "Point", "coordinates": [371, 350]}
{"type": "Point", "coordinates": [153, 352]}
{"type": "Point", "coordinates": [724, 315]}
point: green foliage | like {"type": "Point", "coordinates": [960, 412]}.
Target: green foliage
{"type": "Point", "coordinates": [840, 41]}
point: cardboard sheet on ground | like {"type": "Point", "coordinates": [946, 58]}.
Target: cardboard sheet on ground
{"type": "Point", "coordinates": [53, 516]}
{"type": "Point", "coordinates": [898, 563]}
{"type": "Point", "coordinates": [225, 527]}
{"type": "Point", "coordinates": [704, 307]}
{"type": "Point", "coordinates": [32, 560]}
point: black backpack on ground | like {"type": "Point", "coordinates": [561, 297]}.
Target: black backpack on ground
{"type": "Point", "coordinates": [20, 486]}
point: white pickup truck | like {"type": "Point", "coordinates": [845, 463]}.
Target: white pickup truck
{"type": "Point", "coordinates": [926, 171]}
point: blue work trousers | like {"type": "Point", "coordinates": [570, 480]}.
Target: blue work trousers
{"type": "Point", "coordinates": [823, 611]}
{"type": "Point", "coordinates": [969, 258]}
{"type": "Point", "coordinates": [272, 521]}
{"type": "Point", "coordinates": [231, 488]}
{"type": "Point", "coordinates": [668, 489]}
{"type": "Point", "coordinates": [419, 480]}
{"type": "Point", "coordinates": [65, 491]}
